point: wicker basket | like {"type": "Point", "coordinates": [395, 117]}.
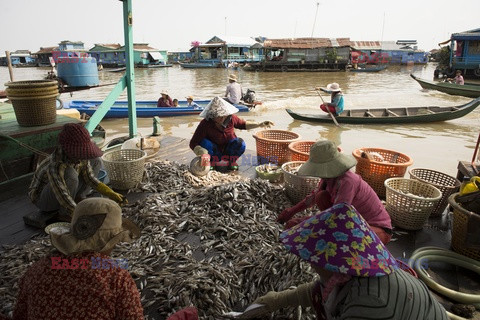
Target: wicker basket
{"type": "Point", "coordinates": [34, 101]}
{"type": "Point", "coordinates": [443, 182]}
{"type": "Point", "coordinates": [410, 202]}
{"type": "Point", "coordinates": [300, 150]}
{"type": "Point", "coordinates": [275, 175]}
{"type": "Point", "coordinates": [272, 145]}
{"type": "Point", "coordinates": [461, 218]}
{"type": "Point", "coordinates": [375, 172]}
{"type": "Point", "coordinates": [124, 167]}
{"type": "Point", "coordinates": [297, 187]}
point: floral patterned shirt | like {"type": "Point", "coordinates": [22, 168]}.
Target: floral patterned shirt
{"type": "Point", "coordinates": [77, 287]}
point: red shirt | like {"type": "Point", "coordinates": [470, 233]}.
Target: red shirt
{"type": "Point", "coordinates": [352, 189]}
{"type": "Point", "coordinates": [162, 103]}
{"type": "Point", "coordinates": [208, 129]}
{"type": "Point", "coordinates": [80, 293]}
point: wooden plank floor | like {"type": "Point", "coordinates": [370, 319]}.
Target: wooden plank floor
{"type": "Point", "coordinates": [14, 204]}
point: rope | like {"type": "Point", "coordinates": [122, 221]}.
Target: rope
{"type": "Point", "coordinates": [26, 146]}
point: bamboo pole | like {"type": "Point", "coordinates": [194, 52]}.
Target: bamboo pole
{"type": "Point", "coordinates": [9, 63]}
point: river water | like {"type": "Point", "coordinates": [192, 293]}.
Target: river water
{"type": "Point", "coordinates": [438, 146]}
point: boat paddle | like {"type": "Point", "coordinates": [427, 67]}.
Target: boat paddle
{"type": "Point", "coordinates": [328, 109]}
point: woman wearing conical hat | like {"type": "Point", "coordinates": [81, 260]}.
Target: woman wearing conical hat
{"type": "Point", "coordinates": [215, 140]}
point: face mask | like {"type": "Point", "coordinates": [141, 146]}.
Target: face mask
{"type": "Point", "coordinates": [226, 121]}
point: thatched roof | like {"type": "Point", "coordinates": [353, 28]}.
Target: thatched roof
{"type": "Point", "coordinates": [307, 43]}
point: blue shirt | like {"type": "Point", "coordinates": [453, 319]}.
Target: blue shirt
{"type": "Point", "coordinates": [338, 102]}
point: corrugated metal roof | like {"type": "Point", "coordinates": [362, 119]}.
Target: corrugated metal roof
{"type": "Point", "coordinates": [143, 47]}
{"type": "Point", "coordinates": [46, 50]}
{"type": "Point", "coordinates": [113, 46]}
{"type": "Point", "coordinates": [233, 41]}
{"type": "Point", "coordinates": [307, 43]}
{"type": "Point", "coordinates": [366, 45]}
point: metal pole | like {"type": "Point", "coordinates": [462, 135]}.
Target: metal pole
{"type": "Point", "coordinates": [130, 74]}
{"type": "Point", "coordinates": [9, 63]}
{"type": "Point", "coordinates": [315, 21]}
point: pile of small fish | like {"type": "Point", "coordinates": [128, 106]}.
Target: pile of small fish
{"type": "Point", "coordinates": [215, 248]}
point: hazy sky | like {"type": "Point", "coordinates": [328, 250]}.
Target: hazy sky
{"type": "Point", "coordinates": [172, 25]}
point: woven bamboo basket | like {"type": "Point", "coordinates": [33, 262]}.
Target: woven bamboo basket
{"type": "Point", "coordinates": [124, 167]}
{"type": "Point", "coordinates": [272, 145]}
{"type": "Point", "coordinates": [35, 110]}
{"type": "Point", "coordinates": [299, 150]}
{"type": "Point", "coordinates": [443, 182]}
{"type": "Point", "coordinates": [410, 202]}
{"type": "Point", "coordinates": [33, 101]}
{"type": "Point", "coordinates": [461, 218]}
{"type": "Point", "coordinates": [297, 187]}
{"type": "Point", "coordinates": [376, 171]}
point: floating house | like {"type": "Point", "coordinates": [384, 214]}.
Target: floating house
{"type": "Point", "coordinates": [179, 56]}
{"type": "Point", "coordinates": [19, 58]}
{"type": "Point", "coordinates": [465, 53]}
{"type": "Point", "coordinates": [304, 54]}
{"type": "Point", "coordinates": [44, 54]}
{"type": "Point", "coordinates": [108, 55]}
{"type": "Point", "coordinates": [113, 55]}
{"type": "Point", "coordinates": [392, 52]}
{"type": "Point", "coordinates": [227, 50]}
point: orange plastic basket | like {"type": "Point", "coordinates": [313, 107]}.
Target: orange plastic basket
{"type": "Point", "coordinates": [272, 145]}
{"type": "Point", "coordinates": [300, 150]}
{"type": "Point", "coordinates": [385, 164]}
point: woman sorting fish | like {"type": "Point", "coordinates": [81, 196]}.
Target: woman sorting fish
{"type": "Point", "coordinates": [215, 140]}
{"type": "Point", "coordinates": [359, 277]}
{"type": "Point", "coordinates": [339, 184]}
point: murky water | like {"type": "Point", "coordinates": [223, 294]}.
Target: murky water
{"type": "Point", "coordinates": [437, 146]}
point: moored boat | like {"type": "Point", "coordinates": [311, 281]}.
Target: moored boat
{"type": "Point", "coordinates": [471, 90]}
{"type": "Point", "coordinates": [369, 69]}
{"type": "Point", "coordinates": [145, 109]}
{"type": "Point", "coordinates": [195, 65]}
{"type": "Point", "coordinates": [392, 115]}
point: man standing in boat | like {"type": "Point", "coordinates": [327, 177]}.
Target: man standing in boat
{"type": "Point", "coordinates": [336, 104]}
{"type": "Point", "coordinates": [234, 92]}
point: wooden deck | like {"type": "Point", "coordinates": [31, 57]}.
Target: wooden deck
{"type": "Point", "coordinates": [14, 204]}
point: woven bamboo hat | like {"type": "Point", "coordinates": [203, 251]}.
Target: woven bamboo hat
{"type": "Point", "coordinates": [232, 77]}
{"type": "Point", "coordinates": [326, 161]}
{"type": "Point", "coordinates": [97, 226]}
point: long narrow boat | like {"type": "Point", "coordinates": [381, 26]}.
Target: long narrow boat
{"type": "Point", "coordinates": [392, 115]}
{"type": "Point", "coordinates": [369, 69]}
{"type": "Point", "coordinates": [197, 65]}
{"type": "Point", "coordinates": [145, 109]}
{"type": "Point", "coordinates": [471, 90]}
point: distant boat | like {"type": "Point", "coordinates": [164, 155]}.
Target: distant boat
{"type": "Point", "coordinates": [392, 115]}
{"type": "Point", "coordinates": [145, 109]}
{"type": "Point", "coordinates": [159, 65]}
{"type": "Point", "coordinates": [194, 65]}
{"type": "Point", "coordinates": [467, 90]}
{"type": "Point", "coordinates": [117, 69]}
{"type": "Point", "coordinates": [369, 69]}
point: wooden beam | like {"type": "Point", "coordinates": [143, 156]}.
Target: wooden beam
{"type": "Point", "coordinates": [368, 113]}
{"type": "Point", "coordinates": [392, 113]}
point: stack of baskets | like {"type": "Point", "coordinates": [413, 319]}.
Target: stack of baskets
{"type": "Point", "coordinates": [463, 221]}
{"type": "Point", "coordinates": [410, 202]}
{"type": "Point", "coordinates": [124, 167]}
{"type": "Point", "coordinates": [297, 187]}
{"type": "Point", "coordinates": [377, 170]}
{"type": "Point", "coordinates": [34, 101]}
{"type": "Point", "coordinates": [300, 150]}
{"type": "Point", "coordinates": [443, 182]}
{"type": "Point", "coordinates": [272, 145]}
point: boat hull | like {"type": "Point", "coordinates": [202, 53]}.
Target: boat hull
{"type": "Point", "coordinates": [373, 69]}
{"type": "Point", "coordinates": [392, 115]}
{"type": "Point", "coordinates": [145, 109]}
{"type": "Point", "coordinates": [467, 90]}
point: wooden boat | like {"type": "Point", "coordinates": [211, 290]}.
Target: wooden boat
{"type": "Point", "coordinates": [158, 65]}
{"type": "Point", "coordinates": [145, 109]}
{"type": "Point", "coordinates": [195, 65]}
{"type": "Point", "coordinates": [369, 69]}
{"type": "Point", "coordinates": [467, 90]}
{"type": "Point", "coordinates": [392, 115]}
